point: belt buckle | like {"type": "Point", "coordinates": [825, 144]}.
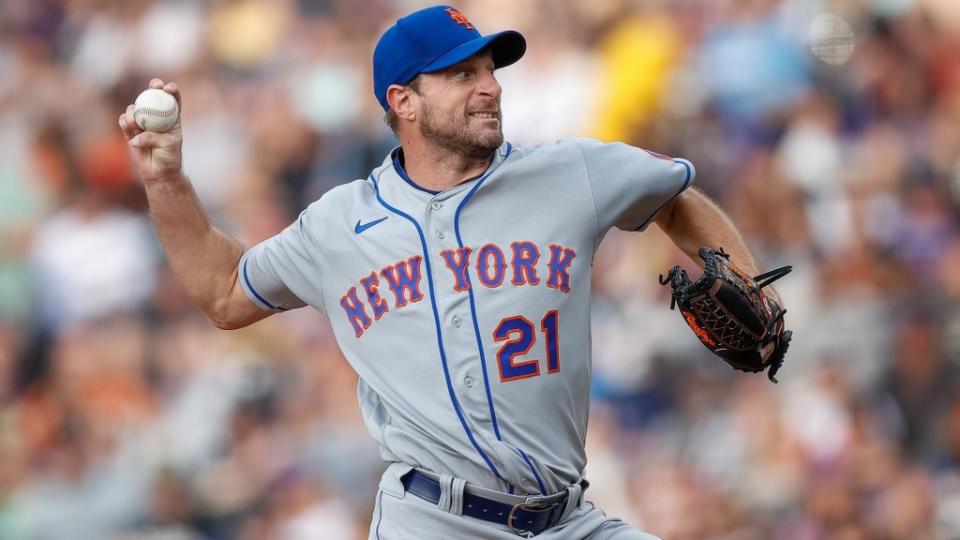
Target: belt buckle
{"type": "Point", "coordinates": [532, 503]}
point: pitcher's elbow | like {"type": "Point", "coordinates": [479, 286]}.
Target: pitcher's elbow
{"type": "Point", "coordinates": [220, 316]}
{"type": "Point", "coordinates": [224, 324]}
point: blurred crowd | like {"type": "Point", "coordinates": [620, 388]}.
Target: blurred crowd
{"type": "Point", "coordinates": [125, 414]}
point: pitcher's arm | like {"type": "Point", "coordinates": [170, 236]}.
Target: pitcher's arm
{"type": "Point", "coordinates": [203, 258]}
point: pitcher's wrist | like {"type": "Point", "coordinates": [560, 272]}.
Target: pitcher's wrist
{"type": "Point", "coordinates": [165, 177]}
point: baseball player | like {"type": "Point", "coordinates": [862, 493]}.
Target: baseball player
{"type": "Point", "coordinates": [456, 277]}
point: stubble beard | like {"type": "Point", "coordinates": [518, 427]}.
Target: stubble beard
{"type": "Point", "coordinates": [453, 134]}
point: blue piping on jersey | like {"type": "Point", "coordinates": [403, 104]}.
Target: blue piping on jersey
{"type": "Point", "coordinates": [686, 182]}
{"type": "Point", "coordinates": [246, 280]}
{"type": "Point", "coordinates": [476, 326]}
{"type": "Point", "coordinates": [473, 307]}
{"type": "Point", "coordinates": [543, 490]}
{"type": "Point", "coordinates": [436, 321]}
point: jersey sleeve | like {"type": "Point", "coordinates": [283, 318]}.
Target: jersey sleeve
{"type": "Point", "coordinates": [281, 272]}
{"type": "Point", "coordinates": [630, 185]}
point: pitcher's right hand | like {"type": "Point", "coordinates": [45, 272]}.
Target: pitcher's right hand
{"type": "Point", "coordinates": [156, 156]}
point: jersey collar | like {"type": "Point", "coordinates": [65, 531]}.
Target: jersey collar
{"type": "Point", "coordinates": [394, 160]}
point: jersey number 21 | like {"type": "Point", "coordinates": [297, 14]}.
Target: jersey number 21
{"type": "Point", "coordinates": [519, 336]}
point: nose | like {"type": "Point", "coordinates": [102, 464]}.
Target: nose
{"type": "Point", "coordinates": [488, 85]}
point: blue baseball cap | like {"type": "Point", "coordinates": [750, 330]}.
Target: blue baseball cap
{"type": "Point", "coordinates": [433, 39]}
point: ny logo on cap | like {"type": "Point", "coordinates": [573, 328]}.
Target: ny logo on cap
{"type": "Point", "coordinates": [459, 18]}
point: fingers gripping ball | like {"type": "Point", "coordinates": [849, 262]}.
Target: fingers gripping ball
{"type": "Point", "coordinates": [155, 110]}
{"type": "Point", "coordinates": [730, 313]}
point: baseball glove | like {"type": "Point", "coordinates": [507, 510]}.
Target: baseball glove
{"type": "Point", "coordinates": [730, 314]}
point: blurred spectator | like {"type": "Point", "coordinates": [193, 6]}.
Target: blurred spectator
{"type": "Point", "coordinates": [124, 414]}
{"type": "Point", "coordinates": [91, 261]}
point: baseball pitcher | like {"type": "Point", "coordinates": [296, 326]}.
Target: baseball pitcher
{"type": "Point", "coordinates": [456, 277]}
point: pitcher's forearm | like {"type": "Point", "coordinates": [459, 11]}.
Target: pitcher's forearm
{"type": "Point", "coordinates": [203, 258]}
{"type": "Point", "coordinates": [694, 220]}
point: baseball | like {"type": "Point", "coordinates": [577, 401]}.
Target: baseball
{"type": "Point", "coordinates": [155, 110]}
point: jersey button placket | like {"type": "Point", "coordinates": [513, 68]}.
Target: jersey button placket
{"type": "Point", "coordinates": [436, 220]}
{"type": "Point", "coordinates": [435, 206]}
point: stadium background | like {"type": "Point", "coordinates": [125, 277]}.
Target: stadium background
{"type": "Point", "coordinates": [124, 414]}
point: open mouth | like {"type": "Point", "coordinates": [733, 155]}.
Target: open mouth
{"type": "Point", "coordinates": [484, 115]}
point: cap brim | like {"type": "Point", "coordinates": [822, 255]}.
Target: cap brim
{"type": "Point", "coordinates": [507, 47]}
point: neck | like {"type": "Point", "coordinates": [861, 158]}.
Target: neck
{"type": "Point", "coordinates": [437, 169]}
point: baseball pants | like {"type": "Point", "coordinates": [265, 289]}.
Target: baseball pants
{"type": "Point", "coordinates": [399, 515]}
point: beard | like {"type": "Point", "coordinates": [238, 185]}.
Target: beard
{"type": "Point", "coordinates": [453, 133]}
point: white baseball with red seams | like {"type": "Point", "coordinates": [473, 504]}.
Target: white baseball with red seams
{"type": "Point", "coordinates": [155, 110]}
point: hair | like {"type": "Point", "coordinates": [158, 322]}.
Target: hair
{"type": "Point", "coordinates": [391, 117]}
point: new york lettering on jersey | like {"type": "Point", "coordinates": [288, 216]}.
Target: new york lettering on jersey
{"type": "Point", "coordinates": [365, 303]}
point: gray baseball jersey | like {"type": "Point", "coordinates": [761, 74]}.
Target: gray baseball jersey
{"type": "Point", "coordinates": [466, 312]}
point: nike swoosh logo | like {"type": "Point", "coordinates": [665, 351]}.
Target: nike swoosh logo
{"type": "Point", "coordinates": [362, 227]}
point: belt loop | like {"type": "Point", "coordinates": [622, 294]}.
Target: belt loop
{"type": "Point", "coordinates": [451, 494]}
{"type": "Point", "coordinates": [456, 496]}
{"type": "Point", "coordinates": [574, 494]}
{"type": "Point", "coordinates": [446, 484]}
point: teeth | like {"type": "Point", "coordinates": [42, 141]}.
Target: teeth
{"type": "Point", "coordinates": [483, 115]}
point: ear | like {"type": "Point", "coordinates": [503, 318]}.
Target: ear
{"type": "Point", "coordinates": [403, 101]}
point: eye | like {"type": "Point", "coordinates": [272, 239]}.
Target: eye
{"type": "Point", "coordinates": [461, 74]}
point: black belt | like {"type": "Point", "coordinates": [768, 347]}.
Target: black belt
{"type": "Point", "coordinates": [534, 516]}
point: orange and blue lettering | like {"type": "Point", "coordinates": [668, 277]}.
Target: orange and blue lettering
{"type": "Point", "coordinates": [560, 259]}
{"type": "Point", "coordinates": [458, 261]}
{"type": "Point", "coordinates": [355, 311]}
{"type": "Point", "coordinates": [403, 279]}
{"type": "Point", "coordinates": [519, 334]}
{"type": "Point", "coordinates": [377, 302]}
{"type": "Point", "coordinates": [459, 18]}
{"type": "Point", "coordinates": [525, 257]}
{"type": "Point", "coordinates": [551, 329]}
{"type": "Point", "coordinates": [484, 265]}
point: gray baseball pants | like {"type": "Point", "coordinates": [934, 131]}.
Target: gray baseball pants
{"type": "Point", "coordinates": [399, 515]}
